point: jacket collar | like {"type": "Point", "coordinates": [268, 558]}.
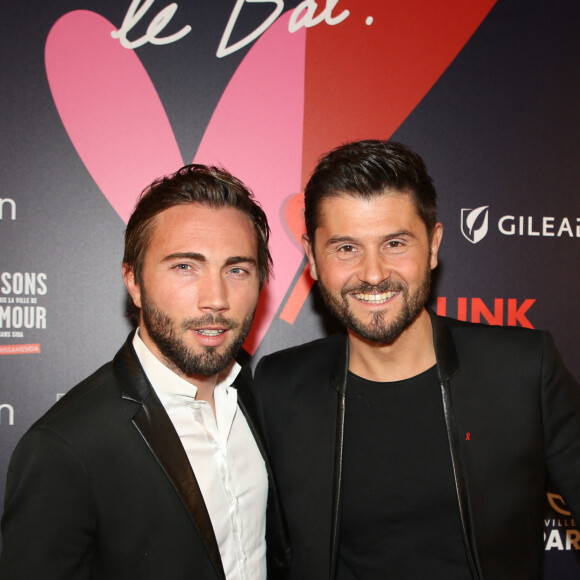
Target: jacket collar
{"type": "Point", "coordinates": [156, 428]}
{"type": "Point", "coordinates": [339, 371]}
{"type": "Point", "coordinates": [132, 380]}
{"type": "Point", "coordinates": [445, 353]}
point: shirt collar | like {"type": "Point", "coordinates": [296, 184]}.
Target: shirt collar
{"type": "Point", "coordinates": [167, 382]}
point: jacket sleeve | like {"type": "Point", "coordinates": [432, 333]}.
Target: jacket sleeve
{"type": "Point", "coordinates": [561, 419]}
{"type": "Point", "coordinates": [48, 523]}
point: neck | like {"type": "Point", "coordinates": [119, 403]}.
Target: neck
{"type": "Point", "coordinates": [410, 354]}
{"type": "Point", "coordinates": [205, 384]}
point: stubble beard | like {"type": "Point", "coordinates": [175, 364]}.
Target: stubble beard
{"type": "Point", "coordinates": [167, 336]}
{"type": "Point", "coordinates": [377, 330]}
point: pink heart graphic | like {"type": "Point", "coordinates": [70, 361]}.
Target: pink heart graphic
{"type": "Point", "coordinates": [272, 122]}
{"type": "Point", "coordinates": [117, 124]}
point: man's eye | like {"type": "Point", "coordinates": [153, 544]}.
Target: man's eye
{"type": "Point", "coordinates": [347, 249]}
{"type": "Point", "coordinates": [183, 266]}
{"type": "Point", "coordinates": [394, 244]}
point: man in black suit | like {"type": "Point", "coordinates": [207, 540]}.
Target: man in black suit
{"type": "Point", "coordinates": [416, 446]}
{"type": "Point", "coordinates": [152, 468]}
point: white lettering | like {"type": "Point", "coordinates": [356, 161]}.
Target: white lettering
{"type": "Point", "coordinates": [565, 227]}
{"type": "Point", "coordinates": [11, 203]}
{"type": "Point", "coordinates": [554, 541]}
{"type": "Point", "coordinates": [303, 16]}
{"type": "Point", "coordinates": [5, 316]}
{"type": "Point", "coordinates": [10, 409]}
{"type": "Point", "coordinates": [547, 226]}
{"type": "Point", "coordinates": [19, 316]}
{"type": "Point", "coordinates": [512, 229]}
{"type": "Point", "coordinates": [509, 225]}
{"type": "Point", "coordinates": [23, 283]}
{"type": "Point", "coordinates": [41, 279]}
{"type": "Point", "coordinates": [156, 26]}
{"type": "Point", "coordinates": [309, 20]}
{"type": "Point", "coordinates": [531, 231]}
{"type": "Point", "coordinates": [224, 49]}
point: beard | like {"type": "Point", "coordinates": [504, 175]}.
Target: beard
{"type": "Point", "coordinates": [378, 330]}
{"type": "Point", "coordinates": [168, 337]}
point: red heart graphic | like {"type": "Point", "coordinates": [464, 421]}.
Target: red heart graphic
{"type": "Point", "coordinates": [365, 76]}
{"type": "Point", "coordinates": [363, 79]}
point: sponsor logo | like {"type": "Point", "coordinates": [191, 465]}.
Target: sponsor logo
{"type": "Point", "coordinates": [9, 206]}
{"type": "Point", "coordinates": [557, 504]}
{"type": "Point", "coordinates": [19, 308]}
{"type": "Point", "coordinates": [23, 283]}
{"type": "Point", "coordinates": [560, 532]}
{"type": "Point", "coordinates": [22, 317]}
{"type": "Point", "coordinates": [509, 312]}
{"type": "Point", "coordinates": [6, 411]}
{"type": "Point", "coordinates": [475, 225]}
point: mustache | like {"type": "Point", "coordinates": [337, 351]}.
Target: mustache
{"type": "Point", "coordinates": [365, 288]}
{"type": "Point", "coordinates": [209, 320]}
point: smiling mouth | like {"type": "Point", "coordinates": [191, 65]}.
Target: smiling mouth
{"type": "Point", "coordinates": [375, 298]}
{"type": "Point", "coordinates": [210, 331]}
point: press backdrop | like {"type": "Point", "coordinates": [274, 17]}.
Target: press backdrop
{"type": "Point", "coordinates": [99, 97]}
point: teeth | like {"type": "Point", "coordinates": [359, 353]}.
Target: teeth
{"type": "Point", "coordinates": [208, 332]}
{"type": "Point", "coordinates": [375, 298]}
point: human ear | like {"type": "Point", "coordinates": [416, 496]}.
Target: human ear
{"type": "Point", "coordinates": [435, 243]}
{"type": "Point", "coordinates": [132, 285]}
{"type": "Point", "coordinates": [308, 248]}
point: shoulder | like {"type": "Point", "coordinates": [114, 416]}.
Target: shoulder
{"type": "Point", "coordinates": [82, 396]}
{"type": "Point", "coordinates": [96, 403]}
{"type": "Point", "coordinates": [318, 353]}
{"type": "Point", "coordinates": [477, 333]}
{"type": "Point", "coordinates": [500, 347]}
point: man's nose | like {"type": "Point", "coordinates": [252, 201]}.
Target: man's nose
{"type": "Point", "coordinates": [213, 293]}
{"type": "Point", "coordinates": [374, 268]}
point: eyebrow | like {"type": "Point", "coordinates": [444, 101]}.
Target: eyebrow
{"type": "Point", "coordinates": [185, 255]}
{"type": "Point", "coordinates": [353, 240]}
{"type": "Point", "coordinates": [202, 259]}
{"type": "Point", "coordinates": [241, 260]}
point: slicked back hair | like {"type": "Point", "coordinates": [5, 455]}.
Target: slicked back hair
{"type": "Point", "coordinates": [205, 185]}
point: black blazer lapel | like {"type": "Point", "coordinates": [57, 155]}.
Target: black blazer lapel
{"type": "Point", "coordinates": [448, 367]}
{"type": "Point", "coordinates": [156, 428]}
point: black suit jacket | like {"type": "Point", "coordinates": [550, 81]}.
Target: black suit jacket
{"type": "Point", "coordinates": [101, 488]}
{"type": "Point", "coordinates": [506, 387]}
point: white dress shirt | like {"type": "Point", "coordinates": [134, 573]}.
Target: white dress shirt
{"type": "Point", "coordinates": [225, 459]}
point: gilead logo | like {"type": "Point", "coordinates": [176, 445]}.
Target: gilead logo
{"type": "Point", "coordinates": [475, 225]}
{"type": "Point", "coordinates": [548, 227]}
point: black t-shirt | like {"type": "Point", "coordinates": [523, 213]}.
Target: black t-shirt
{"type": "Point", "coordinates": [400, 516]}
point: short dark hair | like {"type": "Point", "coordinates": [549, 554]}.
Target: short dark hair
{"type": "Point", "coordinates": [206, 185]}
{"type": "Point", "coordinates": [368, 169]}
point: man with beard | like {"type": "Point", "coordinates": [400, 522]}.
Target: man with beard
{"type": "Point", "coordinates": [416, 446]}
{"type": "Point", "coordinates": [152, 467]}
